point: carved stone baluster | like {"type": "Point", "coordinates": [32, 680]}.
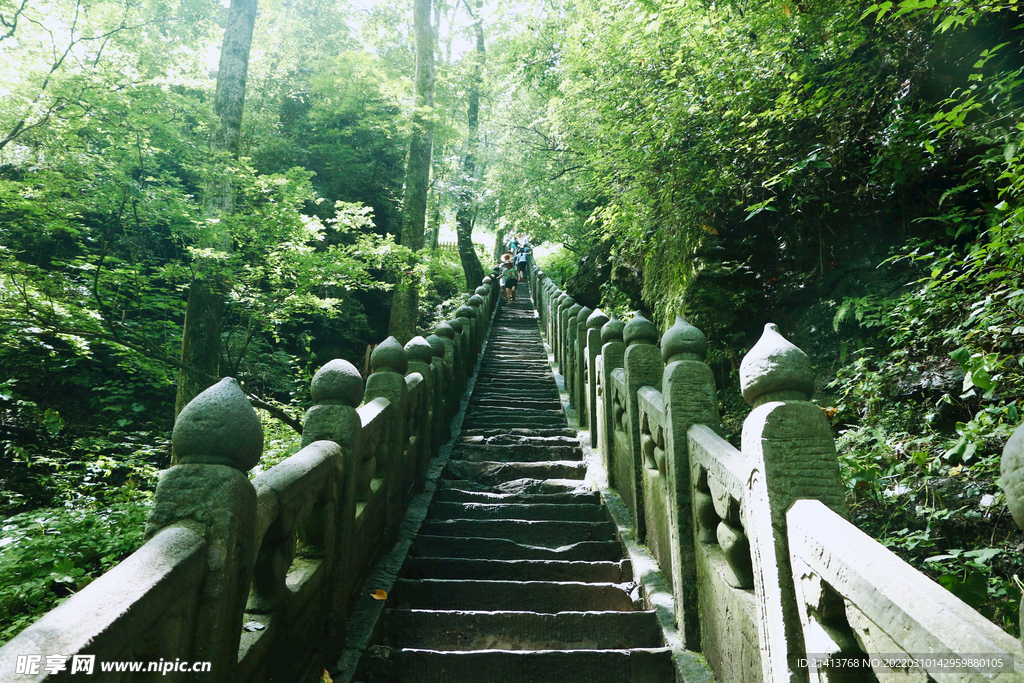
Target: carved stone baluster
{"type": "Point", "coordinates": [788, 445]}
{"type": "Point", "coordinates": [217, 438]}
{"type": "Point", "coordinates": [643, 365]}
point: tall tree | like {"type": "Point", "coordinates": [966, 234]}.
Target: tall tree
{"type": "Point", "coordinates": [200, 344]}
{"type": "Point", "coordinates": [405, 304]}
{"type": "Point", "coordinates": [466, 215]}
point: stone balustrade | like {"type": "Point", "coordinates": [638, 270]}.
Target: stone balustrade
{"type": "Point", "coordinates": [258, 577]}
{"type": "Point", "coordinates": [764, 565]}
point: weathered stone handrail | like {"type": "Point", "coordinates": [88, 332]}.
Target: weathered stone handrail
{"type": "Point", "coordinates": [257, 578]}
{"type": "Point", "coordinates": [764, 566]}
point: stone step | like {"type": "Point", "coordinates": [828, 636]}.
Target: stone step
{"type": "Point", "coordinates": [516, 453]}
{"type": "Point", "coordinates": [502, 549]}
{"type": "Point", "coordinates": [490, 473]}
{"type": "Point", "coordinates": [457, 495]}
{"type": "Point", "coordinates": [647, 665]}
{"type": "Point", "coordinates": [507, 439]}
{"type": "Point", "coordinates": [529, 511]}
{"type": "Point", "coordinates": [521, 431]}
{"type": "Point", "coordinates": [546, 534]}
{"type": "Point", "coordinates": [529, 596]}
{"type": "Point", "coordinates": [517, 570]}
{"type": "Point", "coordinates": [454, 630]}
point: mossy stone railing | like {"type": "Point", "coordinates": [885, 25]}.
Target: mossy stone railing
{"type": "Point", "coordinates": [259, 577]}
{"type": "Point", "coordinates": [765, 568]}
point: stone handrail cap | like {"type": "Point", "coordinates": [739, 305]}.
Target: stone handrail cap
{"type": "Point", "coordinates": [482, 290]}
{"type": "Point", "coordinates": [612, 330]}
{"type": "Point", "coordinates": [219, 427]}
{"type": "Point", "coordinates": [419, 349]}
{"type": "Point", "coordinates": [456, 325]}
{"type": "Point", "coordinates": [476, 300]}
{"type": "Point", "coordinates": [683, 338]}
{"type": "Point", "coordinates": [445, 330]}
{"type": "Point", "coordinates": [337, 380]}
{"type": "Point", "coordinates": [775, 369]}
{"type": "Point", "coordinates": [436, 344]}
{"type": "Point", "coordinates": [389, 356]}
{"type": "Point", "coordinates": [1012, 467]}
{"type": "Point", "coordinates": [596, 319]}
{"type": "Point", "coordinates": [640, 330]}
{"type": "Point", "coordinates": [466, 312]}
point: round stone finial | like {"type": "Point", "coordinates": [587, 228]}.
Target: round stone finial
{"type": "Point", "coordinates": [775, 370]}
{"type": "Point", "coordinates": [466, 312]}
{"type": "Point", "coordinates": [640, 330]}
{"type": "Point", "coordinates": [445, 330]}
{"type": "Point", "coordinates": [456, 325]}
{"type": "Point", "coordinates": [418, 349]}
{"type": "Point", "coordinates": [566, 302]}
{"type": "Point", "coordinates": [1012, 467]}
{"type": "Point", "coordinates": [612, 330]}
{"type": "Point", "coordinates": [596, 319]}
{"type": "Point", "coordinates": [475, 301]}
{"type": "Point", "coordinates": [573, 310]}
{"type": "Point", "coordinates": [685, 341]}
{"type": "Point", "coordinates": [219, 427]}
{"type": "Point", "coordinates": [482, 290]}
{"type": "Point", "coordinates": [436, 345]}
{"type": "Point", "coordinates": [583, 314]}
{"type": "Point", "coordinates": [338, 382]}
{"type": "Point", "coordinates": [389, 356]}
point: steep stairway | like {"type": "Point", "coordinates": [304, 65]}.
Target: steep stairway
{"type": "Point", "coordinates": [517, 574]}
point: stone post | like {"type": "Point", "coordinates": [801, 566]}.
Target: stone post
{"type": "Point", "coordinates": [463, 359]}
{"type": "Point", "coordinates": [467, 314]}
{"type": "Point", "coordinates": [564, 303]}
{"type": "Point", "coordinates": [217, 439]}
{"type": "Point", "coordinates": [612, 351]}
{"type": "Point", "coordinates": [579, 388]}
{"type": "Point", "coordinates": [569, 349]}
{"type": "Point", "coordinates": [690, 397]}
{"type": "Point", "coordinates": [788, 444]}
{"type": "Point", "coordinates": [476, 301]}
{"type": "Point", "coordinates": [485, 297]}
{"type": "Point", "coordinates": [592, 346]}
{"type": "Point", "coordinates": [643, 365]}
{"type": "Point", "coordinates": [452, 359]}
{"type": "Point", "coordinates": [420, 355]}
{"type": "Point", "coordinates": [442, 399]}
{"type": "Point", "coordinates": [1012, 467]}
{"type": "Point", "coordinates": [337, 389]}
{"type": "Point", "coordinates": [390, 363]}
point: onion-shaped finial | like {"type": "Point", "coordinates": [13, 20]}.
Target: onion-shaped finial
{"type": "Point", "coordinates": [219, 427]}
{"type": "Point", "coordinates": [640, 330]}
{"type": "Point", "coordinates": [683, 341]}
{"type": "Point", "coordinates": [338, 382]}
{"type": "Point", "coordinates": [389, 356]}
{"type": "Point", "coordinates": [612, 330]}
{"type": "Point", "coordinates": [775, 370]}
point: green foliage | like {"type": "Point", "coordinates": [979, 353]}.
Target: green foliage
{"type": "Point", "coordinates": [49, 554]}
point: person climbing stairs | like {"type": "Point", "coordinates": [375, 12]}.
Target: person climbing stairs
{"type": "Point", "coordinates": [517, 573]}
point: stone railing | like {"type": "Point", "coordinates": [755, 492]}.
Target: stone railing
{"type": "Point", "coordinates": [254, 580]}
{"type": "Point", "coordinates": [764, 566]}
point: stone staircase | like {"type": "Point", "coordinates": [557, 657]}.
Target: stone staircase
{"type": "Point", "coordinates": [517, 573]}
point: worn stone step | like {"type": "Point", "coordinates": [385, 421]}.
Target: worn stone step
{"type": "Point", "coordinates": [517, 570]}
{"type": "Point", "coordinates": [516, 453]}
{"type": "Point", "coordinates": [503, 549]}
{"type": "Point", "coordinates": [530, 596]}
{"type": "Point", "coordinates": [521, 431]}
{"type": "Point", "coordinates": [454, 630]}
{"type": "Point", "coordinates": [457, 495]}
{"type": "Point", "coordinates": [522, 486]}
{"type": "Point", "coordinates": [491, 473]}
{"type": "Point", "coordinates": [506, 439]}
{"type": "Point", "coordinates": [648, 665]}
{"type": "Point", "coordinates": [529, 511]}
{"type": "Point", "coordinates": [533, 532]}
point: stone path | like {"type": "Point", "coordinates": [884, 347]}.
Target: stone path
{"type": "Point", "coordinates": [517, 574]}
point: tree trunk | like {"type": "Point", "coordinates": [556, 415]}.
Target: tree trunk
{"type": "Point", "coordinates": [405, 304]}
{"type": "Point", "coordinates": [200, 343]}
{"type": "Point", "coordinates": [465, 216]}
